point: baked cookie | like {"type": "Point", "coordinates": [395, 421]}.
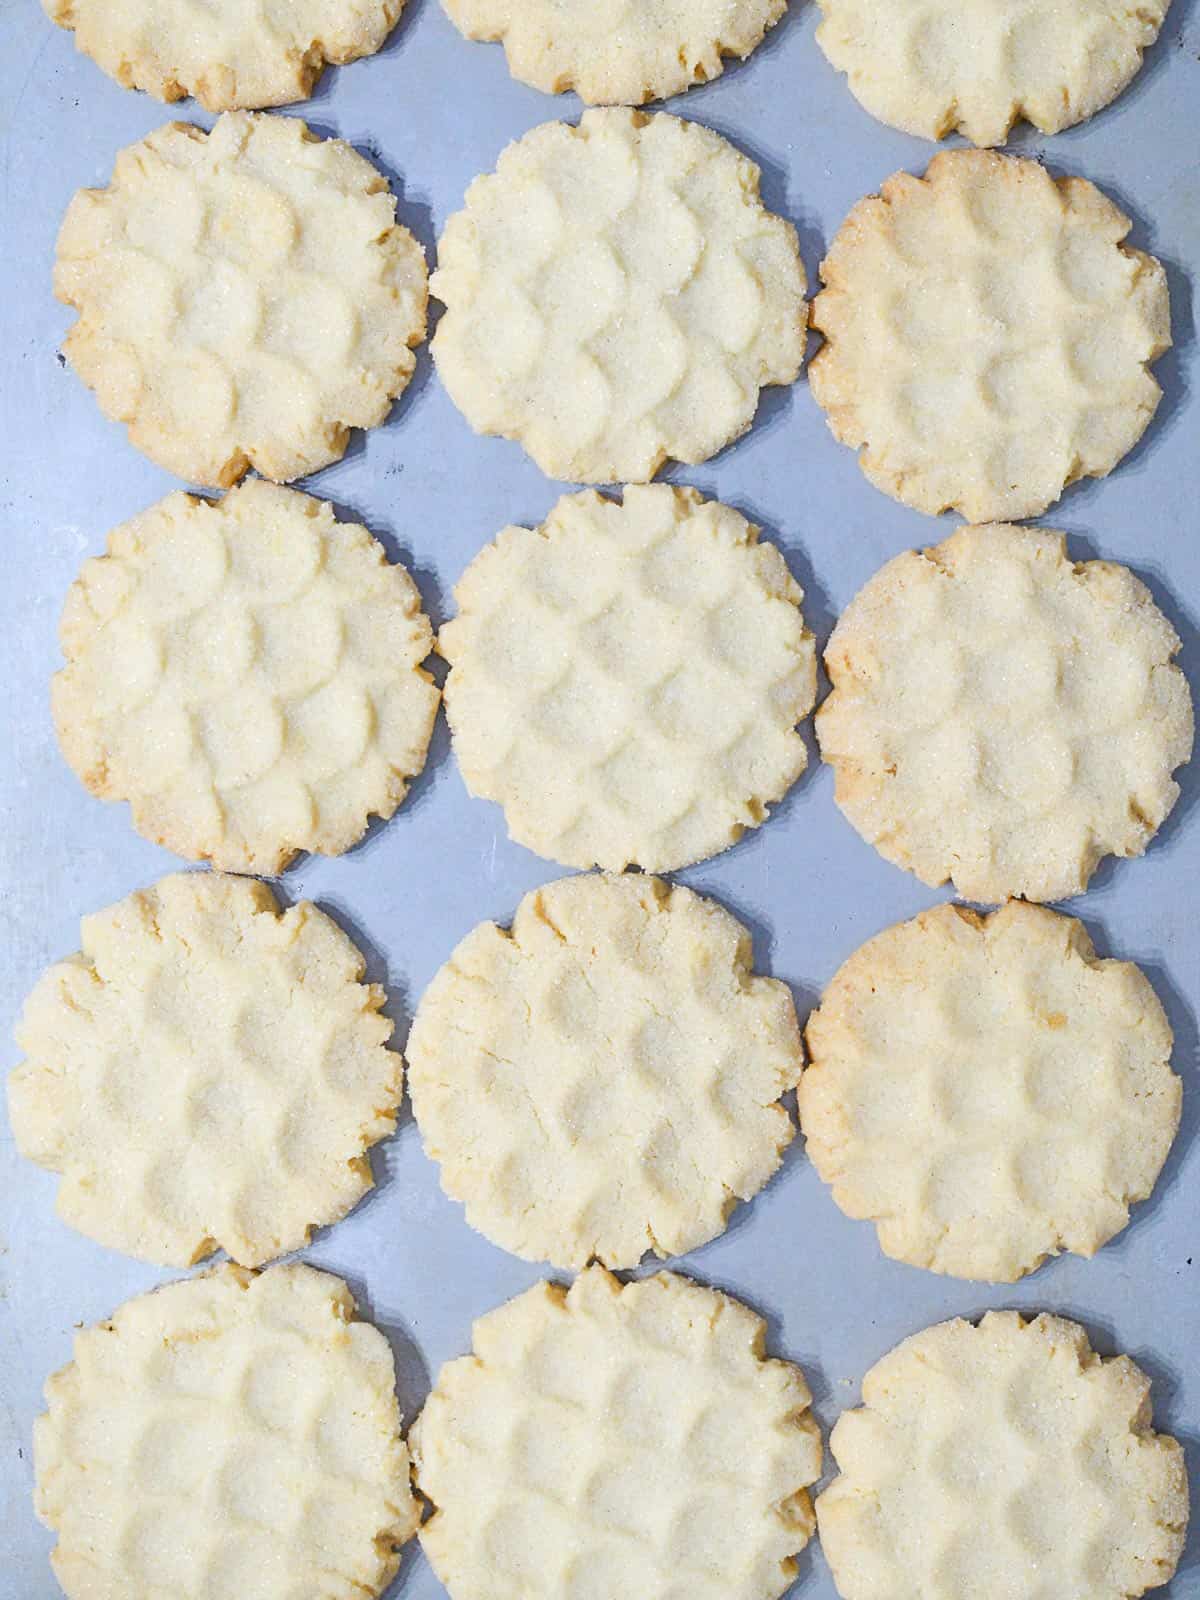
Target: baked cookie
{"type": "Point", "coordinates": [617, 294]}
{"type": "Point", "coordinates": [987, 336]}
{"type": "Point", "coordinates": [225, 52]}
{"type": "Point", "coordinates": [207, 1072]}
{"type": "Point", "coordinates": [246, 673]}
{"type": "Point", "coordinates": [614, 1440]}
{"type": "Point", "coordinates": [605, 1079]}
{"type": "Point", "coordinates": [623, 52]}
{"type": "Point", "coordinates": [626, 680]}
{"type": "Point", "coordinates": [1003, 1459]}
{"type": "Point", "coordinates": [988, 1092]}
{"type": "Point", "coordinates": [933, 67]}
{"type": "Point", "coordinates": [245, 297]}
{"type": "Point", "coordinates": [235, 1436]}
{"type": "Point", "coordinates": [1003, 717]}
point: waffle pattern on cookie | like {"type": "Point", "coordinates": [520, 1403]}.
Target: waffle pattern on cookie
{"type": "Point", "coordinates": [623, 52]}
{"type": "Point", "coordinates": [626, 680]}
{"type": "Point", "coordinates": [987, 336]}
{"type": "Point", "coordinates": [1003, 717]}
{"type": "Point", "coordinates": [225, 52]}
{"type": "Point", "coordinates": [246, 673]}
{"type": "Point", "coordinates": [245, 297]}
{"type": "Point", "coordinates": [206, 1072]}
{"type": "Point", "coordinates": [616, 294]}
{"type": "Point", "coordinates": [987, 1092]}
{"type": "Point", "coordinates": [613, 1440]}
{"type": "Point", "coordinates": [604, 1080]}
{"type": "Point", "coordinates": [230, 1437]}
{"type": "Point", "coordinates": [934, 66]}
{"type": "Point", "coordinates": [1007, 1459]}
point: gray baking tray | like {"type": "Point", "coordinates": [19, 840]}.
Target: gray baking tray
{"type": "Point", "coordinates": [432, 111]}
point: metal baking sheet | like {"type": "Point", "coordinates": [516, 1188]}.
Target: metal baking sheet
{"type": "Point", "coordinates": [432, 111]}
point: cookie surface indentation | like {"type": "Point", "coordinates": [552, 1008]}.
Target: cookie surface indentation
{"type": "Point", "coordinates": [234, 1436]}
{"type": "Point", "coordinates": [604, 1079]}
{"type": "Point", "coordinates": [627, 679]}
{"type": "Point", "coordinates": [247, 674]}
{"type": "Point", "coordinates": [1003, 1459]}
{"type": "Point", "coordinates": [617, 1439]}
{"type": "Point", "coordinates": [988, 336]}
{"type": "Point", "coordinates": [245, 297]}
{"type": "Point", "coordinates": [1003, 717]}
{"type": "Point", "coordinates": [208, 1072]}
{"type": "Point", "coordinates": [616, 295]}
{"type": "Point", "coordinates": [624, 52]}
{"type": "Point", "coordinates": [932, 67]}
{"type": "Point", "coordinates": [227, 53]}
{"type": "Point", "coordinates": [987, 1091]}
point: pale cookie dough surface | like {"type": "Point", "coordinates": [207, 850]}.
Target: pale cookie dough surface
{"type": "Point", "coordinates": [620, 52]}
{"type": "Point", "coordinates": [626, 680]}
{"type": "Point", "coordinates": [1006, 1460]}
{"type": "Point", "coordinates": [604, 1079]}
{"type": "Point", "coordinates": [245, 297]}
{"type": "Point", "coordinates": [987, 1091]}
{"type": "Point", "coordinates": [246, 673]}
{"type": "Point", "coordinates": [227, 53]}
{"type": "Point", "coordinates": [207, 1072]}
{"type": "Point", "coordinates": [616, 295]}
{"type": "Point", "coordinates": [230, 1437]}
{"type": "Point", "coordinates": [932, 67]}
{"type": "Point", "coordinates": [987, 336]}
{"type": "Point", "coordinates": [1003, 717]}
{"type": "Point", "coordinates": [617, 1440]}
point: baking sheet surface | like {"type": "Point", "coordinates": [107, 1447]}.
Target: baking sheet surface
{"type": "Point", "coordinates": [433, 111]}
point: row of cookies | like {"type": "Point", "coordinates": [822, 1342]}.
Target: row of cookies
{"type": "Point", "coordinates": [627, 681]}
{"type": "Point", "coordinates": [603, 1080]}
{"type": "Point", "coordinates": [926, 66]}
{"type": "Point", "coordinates": [239, 1433]}
{"type": "Point", "coordinates": [616, 295]}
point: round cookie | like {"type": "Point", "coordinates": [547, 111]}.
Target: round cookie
{"type": "Point", "coordinates": [245, 297]}
{"type": "Point", "coordinates": [207, 1073]}
{"type": "Point", "coordinates": [1004, 717]}
{"type": "Point", "coordinates": [988, 1092]}
{"type": "Point", "coordinates": [234, 1436]}
{"type": "Point", "coordinates": [624, 52]}
{"type": "Point", "coordinates": [626, 680]}
{"type": "Point", "coordinates": [616, 295]}
{"type": "Point", "coordinates": [933, 67]}
{"type": "Point", "coordinates": [613, 1440]}
{"type": "Point", "coordinates": [605, 1079]}
{"type": "Point", "coordinates": [246, 673]}
{"type": "Point", "coordinates": [987, 336]}
{"type": "Point", "coordinates": [225, 52]}
{"type": "Point", "coordinates": [1003, 1459]}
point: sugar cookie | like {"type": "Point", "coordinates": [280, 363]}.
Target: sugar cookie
{"type": "Point", "coordinates": [245, 297]}
{"type": "Point", "coordinates": [932, 67]}
{"type": "Point", "coordinates": [1003, 717]}
{"type": "Point", "coordinates": [1003, 1459]}
{"type": "Point", "coordinates": [617, 1440]}
{"type": "Point", "coordinates": [987, 336]}
{"type": "Point", "coordinates": [626, 680]}
{"type": "Point", "coordinates": [207, 1072]}
{"type": "Point", "coordinates": [987, 1091]}
{"type": "Point", "coordinates": [225, 52]}
{"type": "Point", "coordinates": [605, 1079]}
{"type": "Point", "coordinates": [235, 1436]}
{"type": "Point", "coordinates": [617, 294]}
{"type": "Point", "coordinates": [623, 52]}
{"type": "Point", "coordinates": [246, 673]}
